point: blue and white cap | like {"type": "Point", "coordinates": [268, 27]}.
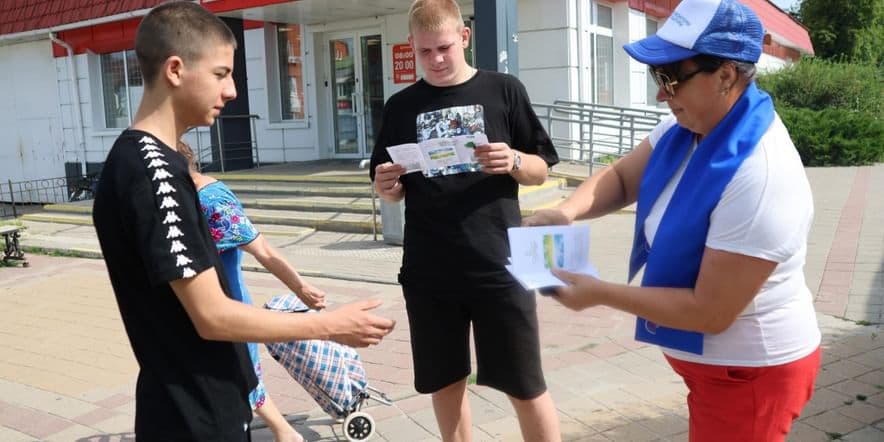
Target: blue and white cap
{"type": "Point", "coordinates": [723, 28]}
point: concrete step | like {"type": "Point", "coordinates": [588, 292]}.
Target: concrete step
{"type": "Point", "coordinates": [311, 204]}
{"type": "Point", "coordinates": [332, 189]}
{"type": "Point", "coordinates": [262, 201]}
{"type": "Point", "coordinates": [327, 221]}
{"type": "Point", "coordinates": [349, 179]}
{"type": "Point", "coordinates": [79, 240]}
{"type": "Point", "coordinates": [280, 204]}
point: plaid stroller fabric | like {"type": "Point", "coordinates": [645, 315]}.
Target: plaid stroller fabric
{"type": "Point", "coordinates": [331, 373]}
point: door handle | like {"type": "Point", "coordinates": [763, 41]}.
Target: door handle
{"type": "Point", "coordinates": [357, 103]}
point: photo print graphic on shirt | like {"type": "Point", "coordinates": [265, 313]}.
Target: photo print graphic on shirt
{"type": "Point", "coordinates": [164, 192]}
{"type": "Point", "coordinates": [449, 132]}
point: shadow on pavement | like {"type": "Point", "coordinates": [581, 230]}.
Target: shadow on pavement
{"type": "Point", "coordinates": [358, 245]}
{"type": "Point", "coordinates": [117, 437]}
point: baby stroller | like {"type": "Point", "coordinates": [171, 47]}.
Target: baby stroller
{"type": "Point", "coordinates": [331, 373]}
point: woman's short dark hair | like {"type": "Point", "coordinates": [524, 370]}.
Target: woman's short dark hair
{"type": "Point", "coordinates": [711, 63]}
{"type": "Point", "coordinates": [180, 28]}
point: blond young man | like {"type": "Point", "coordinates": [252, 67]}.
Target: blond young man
{"type": "Point", "coordinates": [193, 380]}
{"type": "Point", "coordinates": [453, 276]}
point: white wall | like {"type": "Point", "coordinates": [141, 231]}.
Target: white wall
{"type": "Point", "coordinates": [40, 126]}
{"type": "Point", "coordinates": [768, 63]}
{"type": "Point", "coordinates": [93, 141]}
{"type": "Point", "coordinates": [638, 72]}
{"type": "Point", "coordinates": [30, 119]}
{"type": "Point", "coordinates": [277, 141]}
{"type": "Point", "coordinates": [547, 50]}
{"type": "Point", "coordinates": [625, 27]}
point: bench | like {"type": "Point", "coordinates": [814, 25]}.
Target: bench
{"type": "Point", "coordinates": [13, 250]}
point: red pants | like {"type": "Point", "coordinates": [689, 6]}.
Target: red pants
{"type": "Point", "coordinates": [746, 404]}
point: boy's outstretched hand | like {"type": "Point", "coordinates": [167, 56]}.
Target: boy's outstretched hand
{"type": "Point", "coordinates": [353, 325]}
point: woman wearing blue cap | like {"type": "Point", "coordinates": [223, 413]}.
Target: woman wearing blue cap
{"type": "Point", "coordinates": [723, 213]}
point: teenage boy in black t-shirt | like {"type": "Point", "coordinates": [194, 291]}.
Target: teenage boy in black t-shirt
{"type": "Point", "coordinates": [193, 381]}
{"type": "Point", "coordinates": [455, 247]}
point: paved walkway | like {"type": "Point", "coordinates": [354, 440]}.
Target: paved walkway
{"type": "Point", "coordinates": [67, 371]}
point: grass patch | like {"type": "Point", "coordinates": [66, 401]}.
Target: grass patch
{"type": "Point", "coordinates": [848, 402]}
{"type": "Point", "coordinates": [834, 436]}
{"type": "Point", "coordinates": [471, 379]}
{"type": "Point", "coordinates": [607, 159]}
{"type": "Point", "coordinates": [861, 397]}
{"type": "Point", "coordinates": [62, 252]}
{"type": "Point", "coordinates": [13, 222]}
{"type": "Point", "coordinates": [863, 322]}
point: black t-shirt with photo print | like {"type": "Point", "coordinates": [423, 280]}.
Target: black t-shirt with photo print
{"type": "Point", "coordinates": [455, 225]}
{"type": "Point", "coordinates": [152, 231]}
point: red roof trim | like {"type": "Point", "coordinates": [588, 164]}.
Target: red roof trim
{"type": "Point", "coordinates": [29, 15]}
{"type": "Point", "coordinates": [101, 39]}
{"type": "Point", "coordinates": [779, 22]}
{"type": "Point", "coordinates": [217, 6]}
{"type": "Point", "coordinates": [774, 19]}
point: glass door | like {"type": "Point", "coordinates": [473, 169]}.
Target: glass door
{"type": "Point", "coordinates": [357, 82]}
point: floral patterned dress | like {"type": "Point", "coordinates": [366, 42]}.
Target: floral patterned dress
{"type": "Point", "coordinates": [230, 228]}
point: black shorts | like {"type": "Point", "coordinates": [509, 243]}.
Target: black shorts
{"type": "Point", "coordinates": [506, 338]}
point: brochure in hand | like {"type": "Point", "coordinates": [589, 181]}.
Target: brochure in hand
{"type": "Point", "coordinates": [446, 139]}
{"type": "Point", "coordinates": [536, 250]}
{"type": "Point", "coordinates": [439, 156]}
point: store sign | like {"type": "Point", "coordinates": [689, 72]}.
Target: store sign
{"type": "Point", "coordinates": [403, 64]}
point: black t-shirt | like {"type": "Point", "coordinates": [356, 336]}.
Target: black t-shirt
{"type": "Point", "coordinates": [152, 232]}
{"type": "Point", "coordinates": [455, 225]}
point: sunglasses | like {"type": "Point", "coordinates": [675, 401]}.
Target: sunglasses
{"type": "Point", "coordinates": [665, 80]}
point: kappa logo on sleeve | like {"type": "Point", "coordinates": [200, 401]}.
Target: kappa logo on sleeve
{"type": "Point", "coordinates": [174, 232]}
{"type": "Point", "coordinates": [161, 174]}
{"type": "Point", "coordinates": [164, 190]}
{"type": "Point", "coordinates": [171, 218]}
{"type": "Point", "coordinates": [156, 162]}
{"type": "Point", "coordinates": [177, 247]}
{"type": "Point", "coordinates": [168, 203]}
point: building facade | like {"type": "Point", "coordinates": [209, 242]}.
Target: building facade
{"type": "Point", "coordinates": [312, 75]}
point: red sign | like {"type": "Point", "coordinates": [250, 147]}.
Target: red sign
{"type": "Point", "coordinates": [403, 64]}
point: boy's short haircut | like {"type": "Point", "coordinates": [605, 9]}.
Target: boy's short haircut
{"type": "Point", "coordinates": [433, 15]}
{"type": "Point", "coordinates": [180, 28]}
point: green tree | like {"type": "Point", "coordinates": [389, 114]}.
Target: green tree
{"type": "Point", "coordinates": [848, 30]}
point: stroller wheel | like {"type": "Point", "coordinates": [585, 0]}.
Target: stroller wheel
{"type": "Point", "coordinates": [358, 426]}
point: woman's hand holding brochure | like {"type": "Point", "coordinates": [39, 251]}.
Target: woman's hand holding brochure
{"type": "Point", "coordinates": [536, 251]}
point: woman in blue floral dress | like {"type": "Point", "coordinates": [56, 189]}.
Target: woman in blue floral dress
{"type": "Point", "coordinates": [234, 233]}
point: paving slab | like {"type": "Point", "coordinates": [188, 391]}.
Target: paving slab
{"type": "Point", "coordinates": [67, 372]}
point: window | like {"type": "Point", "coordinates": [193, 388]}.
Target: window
{"type": "Point", "coordinates": [602, 48]}
{"type": "Point", "coordinates": [469, 51]}
{"type": "Point", "coordinates": [122, 88]}
{"type": "Point", "coordinates": [291, 73]}
{"type": "Point", "coordinates": [651, 28]}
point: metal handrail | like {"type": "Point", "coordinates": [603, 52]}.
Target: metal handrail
{"type": "Point", "coordinates": [19, 196]}
{"type": "Point", "coordinates": [594, 133]}
{"type": "Point", "coordinates": [218, 128]}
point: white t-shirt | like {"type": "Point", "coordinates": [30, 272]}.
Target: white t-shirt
{"type": "Point", "coordinates": [766, 212]}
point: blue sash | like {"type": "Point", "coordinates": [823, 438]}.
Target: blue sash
{"type": "Point", "coordinates": [674, 260]}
